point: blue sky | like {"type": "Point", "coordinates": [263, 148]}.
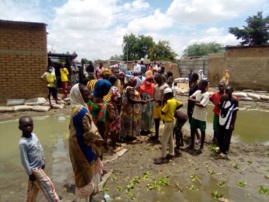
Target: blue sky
{"type": "Point", "coordinates": [95, 28]}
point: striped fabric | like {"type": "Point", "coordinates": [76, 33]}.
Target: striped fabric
{"type": "Point", "coordinates": [44, 183]}
{"type": "Point", "coordinates": [90, 86]}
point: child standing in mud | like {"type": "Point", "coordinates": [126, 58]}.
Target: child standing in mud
{"type": "Point", "coordinates": [33, 161]}
{"type": "Point", "coordinates": [168, 116]}
{"type": "Point", "coordinates": [215, 99]}
{"type": "Point", "coordinates": [228, 110]}
{"type": "Point", "coordinates": [200, 99]}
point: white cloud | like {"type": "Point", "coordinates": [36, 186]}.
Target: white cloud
{"type": "Point", "coordinates": [95, 29]}
{"type": "Point", "coordinates": [23, 10]}
{"type": "Point", "coordinates": [201, 11]}
{"type": "Point", "coordinates": [149, 23]}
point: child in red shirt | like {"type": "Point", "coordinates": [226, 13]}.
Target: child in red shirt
{"type": "Point", "coordinates": [215, 99]}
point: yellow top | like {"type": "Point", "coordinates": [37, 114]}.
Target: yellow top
{"type": "Point", "coordinates": [64, 74]}
{"type": "Point", "coordinates": [50, 77]}
{"type": "Point", "coordinates": [90, 86]}
{"type": "Point", "coordinates": [169, 109]}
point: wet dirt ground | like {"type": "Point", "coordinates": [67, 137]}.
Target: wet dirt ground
{"type": "Point", "coordinates": [188, 177]}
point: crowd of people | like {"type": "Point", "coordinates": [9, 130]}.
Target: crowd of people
{"type": "Point", "coordinates": [110, 104]}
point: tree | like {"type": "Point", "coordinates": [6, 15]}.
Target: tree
{"type": "Point", "coordinates": [255, 33]}
{"type": "Point", "coordinates": [203, 49]}
{"type": "Point", "coordinates": [135, 48]}
{"type": "Point", "coordinates": [130, 47]}
{"type": "Point", "coordinates": [116, 57]}
{"type": "Point", "coordinates": [162, 51]}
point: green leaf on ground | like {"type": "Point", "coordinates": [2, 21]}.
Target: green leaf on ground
{"type": "Point", "coordinates": [263, 190]}
{"type": "Point", "coordinates": [241, 183]}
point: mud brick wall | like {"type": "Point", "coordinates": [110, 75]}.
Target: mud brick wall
{"type": "Point", "coordinates": [248, 66]}
{"type": "Point", "coordinates": [23, 59]}
{"type": "Point", "coordinates": [216, 68]}
{"type": "Point", "coordinates": [195, 63]}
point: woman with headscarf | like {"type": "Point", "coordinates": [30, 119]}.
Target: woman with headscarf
{"type": "Point", "coordinates": [104, 74]}
{"type": "Point", "coordinates": [130, 112]}
{"type": "Point", "coordinates": [85, 144]}
{"type": "Point", "coordinates": [147, 93]}
{"type": "Point", "coordinates": [97, 106]}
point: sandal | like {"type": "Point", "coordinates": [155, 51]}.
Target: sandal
{"type": "Point", "coordinates": [161, 160]}
{"type": "Point", "coordinates": [169, 156]}
{"type": "Point", "coordinates": [117, 149]}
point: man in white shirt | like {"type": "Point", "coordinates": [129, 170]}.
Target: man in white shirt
{"type": "Point", "coordinates": [137, 67]}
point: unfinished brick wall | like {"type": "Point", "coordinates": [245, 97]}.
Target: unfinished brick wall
{"type": "Point", "coordinates": [248, 66]}
{"type": "Point", "coordinates": [23, 59]}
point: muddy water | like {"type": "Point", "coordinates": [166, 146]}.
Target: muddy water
{"type": "Point", "coordinates": [52, 131]}
{"type": "Point", "coordinates": [251, 125]}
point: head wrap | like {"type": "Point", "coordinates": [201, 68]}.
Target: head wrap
{"type": "Point", "coordinates": [105, 73]}
{"type": "Point", "coordinates": [101, 88]}
{"type": "Point", "coordinates": [145, 88]}
{"type": "Point", "coordinates": [76, 97]}
{"type": "Point", "coordinates": [138, 82]}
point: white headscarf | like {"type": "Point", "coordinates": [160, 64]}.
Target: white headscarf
{"type": "Point", "coordinates": [76, 97]}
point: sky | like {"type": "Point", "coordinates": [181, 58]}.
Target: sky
{"type": "Point", "coordinates": [94, 29]}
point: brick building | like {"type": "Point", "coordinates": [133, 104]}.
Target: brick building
{"type": "Point", "coordinates": [23, 59]}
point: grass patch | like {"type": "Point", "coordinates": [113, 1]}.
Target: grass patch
{"type": "Point", "coordinates": [241, 183]}
{"type": "Point", "coordinates": [263, 190]}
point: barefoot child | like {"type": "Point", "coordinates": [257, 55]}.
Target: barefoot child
{"type": "Point", "coordinates": [181, 119]}
{"type": "Point", "coordinates": [228, 109]}
{"type": "Point", "coordinates": [158, 103]}
{"type": "Point", "coordinates": [200, 99]}
{"type": "Point", "coordinates": [168, 112]}
{"type": "Point", "coordinates": [215, 99]}
{"type": "Point", "coordinates": [33, 161]}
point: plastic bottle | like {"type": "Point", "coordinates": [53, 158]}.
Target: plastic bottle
{"type": "Point", "coordinates": [106, 197]}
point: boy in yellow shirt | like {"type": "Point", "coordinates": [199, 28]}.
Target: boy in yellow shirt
{"type": "Point", "coordinates": [168, 112]}
{"type": "Point", "coordinates": [64, 78]}
{"type": "Point", "coordinates": [50, 77]}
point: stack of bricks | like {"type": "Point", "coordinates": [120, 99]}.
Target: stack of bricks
{"type": "Point", "coordinates": [23, 59]}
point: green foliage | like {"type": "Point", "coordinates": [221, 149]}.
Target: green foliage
{"type": "Point", "coordinates": [211, 172]}
{"type": "Point", "coordinates": [255, 33]}
{"type": "Point", "coordinates": [135, 48]}
{"type": "Point", "coordinates": [222, 183]}
{"type": "Point", "coordinates": [263, 190]}
{"type": "Point", "coordinates": [213, 148]}
{"type": "Point", "coordinates": [216, 195]}
{"type": "Point", "coordinates": [157, 184]}
{"type": "Point", "coordinates": [134, 181]}
{"type": "Point", "coordinates": [116, 57]}
{"type": "Point", "coordinates": [193, 188]}
{"type": "Point", "coordinates": [236, 165]}
{"type": "Point", "coordinates": [242, 184]}
{"type": "Point", "coordinates": [162, 51]}
{"type": "Point", "coordinates": [200, 49]}
{"type": "Point", "coordinates": [194, 178]}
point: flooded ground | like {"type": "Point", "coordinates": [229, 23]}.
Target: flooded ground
{"type": "Point", "coordinates": [52, 132]}
{"type": "Point", "coordinates": [191, 177]}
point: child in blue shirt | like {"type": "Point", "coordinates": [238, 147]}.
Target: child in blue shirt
{"type": "Point", "coordinates": [33, 161]}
